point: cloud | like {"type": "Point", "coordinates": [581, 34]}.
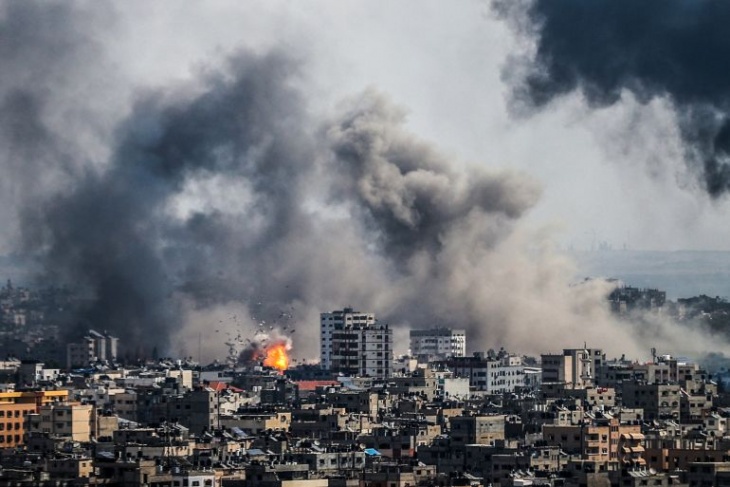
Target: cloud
{"type": "Point", "coordinates": [653, 50]}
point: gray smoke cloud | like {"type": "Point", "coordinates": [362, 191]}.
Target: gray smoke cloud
{"type": "Point", "coordinates": [113, 233]}
{"type": "Point", "coordinates": [51, 58]}
{"type": "Point", "coordinates": [653, 50]}
{"type": "Point", "coordinates": [202, 208]}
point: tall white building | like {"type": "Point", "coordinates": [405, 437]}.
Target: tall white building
{"type": "Point", "coordinates": [438, 343]}
{"type": "Point", "coordinates": [355, 344]}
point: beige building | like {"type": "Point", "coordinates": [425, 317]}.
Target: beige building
{"type": "Point", "coordinates": [70, 420]}
{"type": "Point", "coordinates": [257, 422]}
{"type": "Point", "coordinates": [575, 367]}
{"type": "Point", "coordinates": [599, 439]}
{"type": "Point", "coordinates": [69, 468]}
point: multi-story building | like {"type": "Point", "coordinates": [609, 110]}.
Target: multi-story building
{"type": "Point", "coordinates": [354, 343]}
{"type": "Point", "coordinates": [258, 421]}
{"type": "Point", "coordinates": [659, 401]}
{"type": "Point", "coordinates": [339, 320]}
{"type": "Point", "coordinates": [438, 343]}
{"type": "Point", "coordinates": [480, 429]}
{"type": "Point", "coordinates": [93, 347]}
{"type": "Point", "coordinates": [599, 438]}
{"type": "Point", "coordinates": [16, 407]}
{"type": "Point", "coordinates": [575, 367]}
{"type": "Point", "coordinates": [490, 373]}
{"type": "Point", "coordinates": [33, 372]}
{"type": "Point", "coordinates": [197, 409]}
{"type": "Point", "coordinates": [68, 420]}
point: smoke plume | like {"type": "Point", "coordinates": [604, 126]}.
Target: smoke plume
{"type": "Point", "coordinates": [656, 49]}
{"type": "Point", "coordinates": [209, 206]}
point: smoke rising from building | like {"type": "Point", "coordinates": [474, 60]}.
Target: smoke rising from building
{"type": "Point", "coordinates": [653, 50]}
{"type": "Point", "coordinates": [225, 193]}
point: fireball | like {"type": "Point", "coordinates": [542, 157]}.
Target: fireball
{"type": "Point", "coordinates": [277, 356]}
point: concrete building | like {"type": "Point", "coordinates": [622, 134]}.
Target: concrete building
{"type": "Point", "coordinates": [709, 473]}
{"type": "Point", "coordinates": [336, 321]}
{"type": "Point", "coordinates": [16, 407]}
{"type": "Point", "coordinates": [33, 372]}
{"type": "Point", "coordinates": [599, 438]}
{"type": "Point", "coordinates": [256, 422]}
{"type": "Point", "coordinates": [493, 373]}
{"type": "Point", "coordinates": [354, 343]}
{"type": "Point", "coordinates": [483, 430]}
{"type": "Point", "coordinates": [438, 343]}
{"type": "Point", "coordinates": [68, 420]}
{"type": "Point", "coordinates": [422, 382]}
{"type": "Point", "coordinates": [92, 348]}
{"type": "Point", "coordinates": [575, 367]}
{"type": "Point", "coordinates": [659, 401]}
{"type": "Point", "coordinates": [197, 409]}
{"type": "Point", "coordinates": [69, 468]}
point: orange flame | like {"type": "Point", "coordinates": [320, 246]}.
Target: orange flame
{"type": "Point", "coordinates": [277, 357]}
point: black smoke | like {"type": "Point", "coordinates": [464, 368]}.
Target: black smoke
{"type": "Point", "coordinates": [674, 49]}
{"type": "Point", "coordinates": [51, 59]}
{"type": "Point", "coordinates": [113, 232]}
{"type": "Point", "coordinates": [224, 192]}
{"type": "Point", "coordinates": [228, 191]}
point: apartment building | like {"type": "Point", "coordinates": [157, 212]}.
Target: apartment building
{"type": "Point", "coordinates": [438, 343]}
{"type": "Point", "coordinates": [599, 438]}
{"type": "Point", "coordinates": [477, 429]}
{"type": "Point", "coordinates": [354, 343]}
{"type": "Point", "coordinates": [16, 407]}
{"type": "Point", "coordinates": [577, 368]}
{"type": "Point", "coordinates": [68, 420]}
{"type": "Point", "coordinates": [493, 373]}
{"type": "Point", "coordinates": [659, 401]}
{"type": "Point", "coordinates": [93, 347]}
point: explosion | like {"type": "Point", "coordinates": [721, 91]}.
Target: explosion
{"type": "Point", "coordinates": [269, 351]}
{"type": "Point", "coordinates": [277, 356]}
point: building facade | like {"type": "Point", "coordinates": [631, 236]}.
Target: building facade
{"type": "Point", "coordinates": [16, 407]}
{"type": "Point", "coordinates": [68, 420]}
{"type": "Point", "coordinates": [354, 343]}
{"type": "Point", "coordinates": [438, 343]}
{"type": "Point", "coordinates": [490, 373]}
{"type": "Point", "coordinates": [93, 347]}
{"type": "Point", "coordinates": [575, 367]}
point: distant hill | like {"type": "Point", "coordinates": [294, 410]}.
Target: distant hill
{"type": "Point", "coordinates": [681, 274]}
